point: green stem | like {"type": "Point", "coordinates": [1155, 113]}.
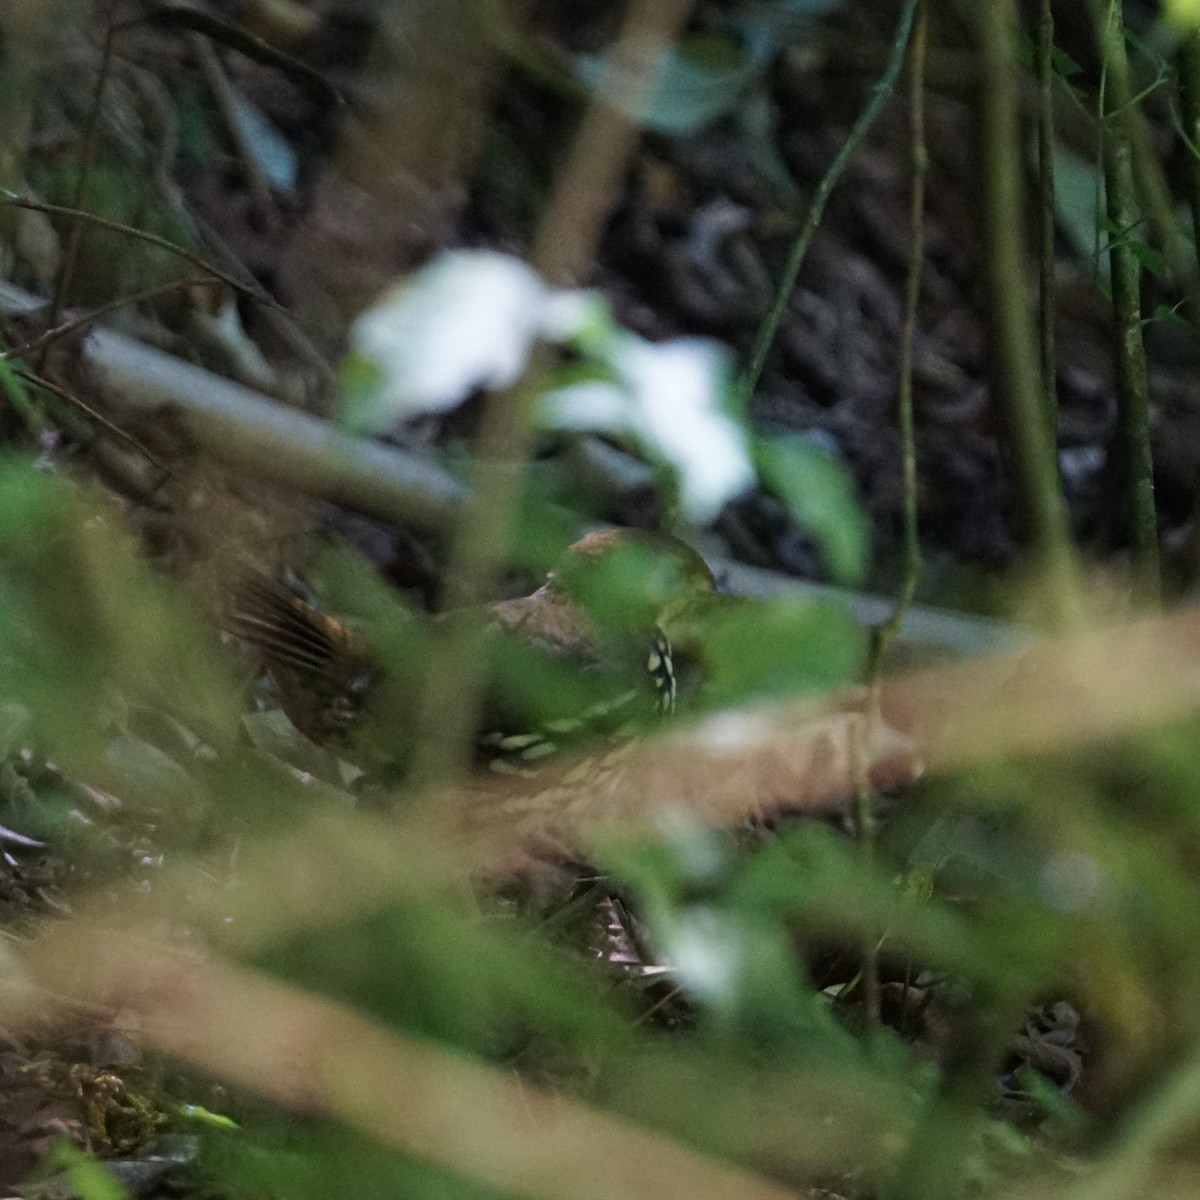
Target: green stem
{"type": "Point", "coordinates": [1046, 212]}
{"type": "Point", "coordinates": [1133, 402]}
{"type": "Point", "coordinates": [1015, 383]}
{"type": "Point", "coordinates": [864, 820]}
{"type": "Point", "coordinates": [816, 209]}
{"type": "Point", "coordinates": [91, 138]}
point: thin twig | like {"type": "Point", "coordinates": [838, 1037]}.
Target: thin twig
{"type": "Point", "coordinates": [91, 137]}
{"type": "Point", "coordinates": [88, 411]}
{"type": "Point", "coordinates": [905, 414]}
{"type": "Point", "coordinates": [96, 314]}
{"type": "Point", "coordinates": [1133, 402]}
{"type": "Point", "coordinates": [11, 200]}
{"type": "Point", "coordinates": [816, 209]}
{"type": "Point", "coordinates": [885, 634]}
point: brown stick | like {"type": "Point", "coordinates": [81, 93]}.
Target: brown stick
{"type": "Point", "coordinates": [313, 1055]}
{"type": "Point", "coordinates": [591, 178]}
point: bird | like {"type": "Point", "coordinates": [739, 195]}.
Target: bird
{"type": "Point", "coordinates": [596, 633]}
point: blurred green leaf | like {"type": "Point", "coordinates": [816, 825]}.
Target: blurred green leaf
{"type": "Point", "coordinates": [707, 73]}
{"type": "Point", "coordinates": [81, 618]}
{"type": "Point", "coordinates": [1079, 202]}
{"type": "Point", "coordinates": [778, 648]}
{"type": "Point", "coordinates": [431, 967]}
{"type": "Point", "coordinates": [89, 1179]}
{"type": "Point", "coordinates": [819, 494]}
{"type": "Point", "coordinates": [319, 1160]}
{"type": "Point", "coordinates": [1150, 258]}
{"type": "Point", "coordinates": [1064, 64]}
{"type": "Point", "coordinates": [1184, 14]}
{"type": "Point", "coordinates": [698, 82]}
{"type": "Point", "coordinates": [1173, 315]}
{"type": "Point", "coordinates": [146, 775]}
{"type": "Point", "coordinates": [205, 1116]}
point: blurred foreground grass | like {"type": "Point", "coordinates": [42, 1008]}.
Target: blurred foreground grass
{"type": "Point", "coordinates": [1037, 924]}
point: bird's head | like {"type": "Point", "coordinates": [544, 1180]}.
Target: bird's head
{"type": "Point", "coordinates": [632, 579]}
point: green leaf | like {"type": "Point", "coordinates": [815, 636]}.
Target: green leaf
{"type": "Point", "coordinates": [89, 1178]}
{"type": "Point", "coordinates": [1183, 14]}
{"type": "Point", "coordinates": [1079, 201]}
{"type": "Point", "coordinates": [1064, 64]}
{"type": "Point", "coordinates": [819, 494]}
{"type": "Point", "coordinates": [363, 403]}
{"type": "Point", "coordinates": [205, 1116]}
{"type": "Point", "coordinates": [148, 774]}
{"type": "Point", "coordinates": [699, 81]}
{"type": "Point", "coordinates": [782, 647]}
{"type": "Point", "coordinates": [1171, 313]}
{"type": "Point", "coordinates": [1149, 257]}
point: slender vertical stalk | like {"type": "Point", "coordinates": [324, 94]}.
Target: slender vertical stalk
{"type": "Point", "coordinates": [1133, 403]}
{"type": "Point", "coordinates": [1015, 382]}
{"type": "Point", "coordinates": [91, 138]}
{"type": "Point", "coordinates": [905, 415]}
{"type": "Point", "coordinates": [767, 331]}
{"type": "Point", "coordinates": [589, 183]}
{"type": "Point", "coordinates": [864, 819]}
{"type": "Point", "coordinates": [1046, 213]}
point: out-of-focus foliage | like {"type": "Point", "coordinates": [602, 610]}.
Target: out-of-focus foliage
{"type": "Point", "coordinates": [470, 320]}
{"type": "Point", "coordinates": [86, 630]}
{"type": "Point", "coordinates": [1184, 14]}
{"type": "Point", "coordinates": [110, 260]}
{"type": "Point", "coordinates": [706, 985]}
{"type": "Point", "coordinates": [932, 1011]}
{"type": "Point", "coordinates": [709, 73]}
{"type": "Point", "coordinates": [819, 494]}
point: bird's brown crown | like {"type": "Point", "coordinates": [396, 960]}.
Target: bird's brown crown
{"type": "Point", "coordinates": [649, 578]}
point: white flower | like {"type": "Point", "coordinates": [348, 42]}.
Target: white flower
{"type": "Point", "coordinates": [468, 320]}
{"type": "Point", "coordinates": [705, 949]}
{"type": "Point", "coordinates": [667, 397]}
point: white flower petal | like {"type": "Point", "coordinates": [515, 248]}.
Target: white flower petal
{"type": "Point", "coordinates": [677, 387]}
{"type": "Point", "coordinates": [705, 950]}
{"type": "Point", "coordinates": [591, 404]}
{"type": "Point", "coordinates": [567, 313]}
{"type": "Point", "coordinates": [467, 320]}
